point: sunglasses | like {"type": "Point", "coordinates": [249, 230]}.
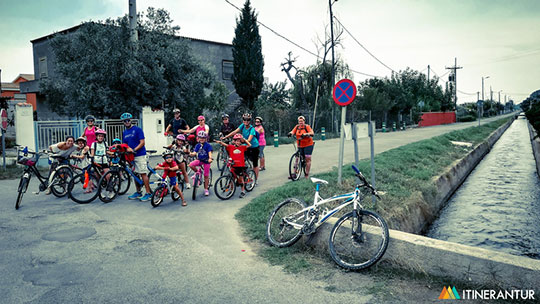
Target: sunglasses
{"type": "Point", "coordinates": [246, 119]}
{"type": "Point", "coordinates": [127, 120]}
{"type": "Point", "coordinates": [168, 157]}
{"type": "Point", "coordinates": [201, 119]}
{"type": "Point", "coordinates": [90, 120]}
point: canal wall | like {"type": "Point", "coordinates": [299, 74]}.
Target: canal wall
{"type": "Point", "coordinates": [446, 259]}
{"type": "Point", "coordinates": [535, 143]}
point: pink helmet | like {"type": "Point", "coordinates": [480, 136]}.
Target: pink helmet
{"type": "Point", "coordinates": [237, 136]}
{"type": "Point", "coordinates": [201, 134]}
{"type": "Point", "coordinates": [101, 131]}
{"type": "Point", "coordinates": [181, 137]}
{"type": "Point", "coordinates": [200, 117]}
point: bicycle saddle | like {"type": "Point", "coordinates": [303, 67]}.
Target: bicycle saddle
{"type": "Point", "coordinates": [319, 181]}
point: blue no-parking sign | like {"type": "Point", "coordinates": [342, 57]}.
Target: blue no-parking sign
{"type": "Point", "coordinates": [344, 92]}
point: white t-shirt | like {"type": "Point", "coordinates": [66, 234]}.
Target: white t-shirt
{"type": "Point", "coordinates": [100, 153]}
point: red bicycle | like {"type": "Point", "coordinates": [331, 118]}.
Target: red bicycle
{"type": "Point", "coordinates": [226, 185]}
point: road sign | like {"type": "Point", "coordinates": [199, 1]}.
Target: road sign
{"type": "Point", "coordinates": [3, 114]}
{"type": "Point", "coordinates": [344, 92]}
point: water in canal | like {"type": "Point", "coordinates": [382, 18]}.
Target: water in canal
{"type": "Point", "coordinates": [498, 205]}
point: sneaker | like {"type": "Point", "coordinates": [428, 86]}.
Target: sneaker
{"type": "Point", "coordinates": [188, 186]}
{"type": "Point", "coordinates": [262, 169]}
{"type": "Point", "coordinates": [184, 203]}
{"type": "Point", "coordinates": [146, 197]}
{"type": "Point", "coordinates": [206, 192]}
{"type": "Point", "coordinates": [135, 195]}
{"type": "Point", "coordinates": [242, 194]}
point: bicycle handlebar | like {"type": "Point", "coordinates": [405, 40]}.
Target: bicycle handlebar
{"type": "Point", "coordinates": [365, 184]}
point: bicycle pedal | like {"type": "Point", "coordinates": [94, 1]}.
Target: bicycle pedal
{"type": "Point", "coordinates": [36, 192]}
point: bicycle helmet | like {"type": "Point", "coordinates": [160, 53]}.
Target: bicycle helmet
{"type": "Point", "coordinates": [201, 134]}
{"type": "Point", "coordinates": [246, 116]}
{"type": "Point", "coordinates": [166, 152]}
{"type": "Point", "coordinates": [200, 117]}
{"type": "Point", "coordinates": [181, 137]}
{"type": "Point", "coordinates": [116, 141]}
{"type": "Point", "coordinates": [224, 116]}
{"type": "Point", "coordinates": [176, 110]}
{"type": "Point", "coordinates": [89, 117]}
{"type": "Point", "coordinates": [101, 131]}
{"type": "Point", "coordinates": [81, 139]}
{"type": "Point", "coordinates": [237, 136]}
{"type": "Point", "coordinates": [259, 118]}
{"type": "Point", "coordinates": [126, 116]}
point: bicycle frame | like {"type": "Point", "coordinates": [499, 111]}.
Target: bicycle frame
{"type": "Point", "coordinates": [350, 198]}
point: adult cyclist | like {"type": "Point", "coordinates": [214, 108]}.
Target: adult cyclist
{"type": "Point", "coordinates": [133, 136]}
{"type": "Point", "coordinates": [304, 134]}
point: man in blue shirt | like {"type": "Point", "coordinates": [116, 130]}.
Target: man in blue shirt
{"type": "Point", "coordinates": [133, 136]}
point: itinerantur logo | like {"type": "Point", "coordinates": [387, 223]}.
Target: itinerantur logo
{"type": "Point", "coordinates": [449, 293]}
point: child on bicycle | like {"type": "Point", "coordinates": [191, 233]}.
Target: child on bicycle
{"type": "Point", "coordinates": [82, 154]}
{"type": "Point", "coordinates": [203, 150]}
{"type": "Point", "coordinates": [237, 152]}
{"type": "Point", "coordinates": [169, 166]}
{"type": "Point", "coordinates": [180, 149]}
{"type": "Point", "coordinates": [99, 150]}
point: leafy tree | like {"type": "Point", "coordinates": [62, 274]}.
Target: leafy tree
{"type": "Point", "coordinates": [99, 73]}
{"type": "Point", "coordinates": [248, 60]}
{"type": "Point", "coordinates": [274, 107]}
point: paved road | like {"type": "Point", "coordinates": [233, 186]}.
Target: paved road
{"type": "Point", "coordinates": [53, 250]}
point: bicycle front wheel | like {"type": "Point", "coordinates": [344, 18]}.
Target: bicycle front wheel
{"type": "Point", "coordinates": [358, 240]}
{"type": "Point", "coordinates": [285, 223]}
{"type": "Point", "coordinates": [60, 181]}
{"type": "Point", "coordinates": [83, 188]}
{"type": "Point", "coordinates": [295, 167]}
{"type": "Point", "coordinates": [157, 196]}
{"type": "Point", "coordinates": [23, 185]}
{"type": "Point", "coordinates": [109, 186]}
{"type": "Point", "coordinates": [196, 182]}
{"type": "Point", "coordinates": [125, 181]}
{"type": "Point", "coordinates": [221, 159]}
{"type": "Point", "coordinates": [225, 187]}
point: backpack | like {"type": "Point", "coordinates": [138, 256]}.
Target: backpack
{"type": "Point", "coordinates": [257, 136]}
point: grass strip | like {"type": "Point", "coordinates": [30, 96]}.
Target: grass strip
{"type": "Point", "coordinates": [402, 173]}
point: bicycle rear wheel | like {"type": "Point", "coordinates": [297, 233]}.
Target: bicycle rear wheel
{"type": "Point", "coordinates": [60, 181]}
{"type": "Point", "coordinates": [285, 223]}
{"type": "Point", "coordinates": [83, 188]}
{"type": "Point", "coordinates": [250, 179]}
{"type": "Point", "coordinates": [295, 167]}
{"type": "Point", "coordinates": [225, 187]}
{"type": "Point", "coordinates": [358, 239]}
{"type": "Point", "coordinates": [109, 186]}
{"type": "Point", "coordinates": [222, 159]}
{"type": "Point", "coordinates": [23, 185]}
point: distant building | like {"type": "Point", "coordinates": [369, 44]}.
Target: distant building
{"type": "Point", "coordinates": [11, 91]}
{"type": "Point", "coordinates": [216, 53]}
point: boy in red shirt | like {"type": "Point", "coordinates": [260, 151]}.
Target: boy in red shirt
{"type": "Point", "coordinates": [237, 152]}
{"type": "Point", "coordinates": [170, 167]}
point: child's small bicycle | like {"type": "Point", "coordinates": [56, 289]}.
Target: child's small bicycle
{"type": "Point", "coordinates": [198, 180]}
{"type": "Point", "coordinates": [358, 239]}
{"type": "Point", "coordinates": [226, 185]}
{"type": "Point", "coordinates": [163, 189]}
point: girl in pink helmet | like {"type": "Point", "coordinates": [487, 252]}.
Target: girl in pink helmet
{"type": "Point", "coordinates": [180, 149]}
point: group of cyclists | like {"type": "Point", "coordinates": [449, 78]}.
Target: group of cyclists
{"type": "Point", "coordinates": [189, 149]}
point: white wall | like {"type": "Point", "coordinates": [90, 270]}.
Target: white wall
{"type": "Point", "coordinates": [153, 124]}
{"type": "Point", "coordinates": [24, 126]}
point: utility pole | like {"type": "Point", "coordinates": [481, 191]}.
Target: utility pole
{"type": "Point", "coordinates": [454, 73]}
{"type": "Point", "coordinates": [133, 36]}
{"type": "Point", "coordinates": [428, 74]}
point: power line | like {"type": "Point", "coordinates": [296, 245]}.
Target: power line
{"type": "Point", "coordinates": [362, 45]}
{"type": "Point", "coordinates": [294, 43]}
{"type": "Point", "coordinates": [465, 93]}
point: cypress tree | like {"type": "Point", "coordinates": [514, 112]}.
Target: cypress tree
{"type": "Point", "coordinates": [248, 59]}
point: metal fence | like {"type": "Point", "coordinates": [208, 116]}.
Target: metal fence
{"type": "Point", "coordinates": [52, 132]}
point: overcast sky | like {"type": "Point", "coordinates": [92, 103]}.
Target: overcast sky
{"type": "Point", "coordinates": [495, 38]}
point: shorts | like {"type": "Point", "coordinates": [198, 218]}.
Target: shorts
{"type": "Point", "coordinates": [140, 164]}
{"type": "Point", "coordinates": [206, 166]}
{"type": "Point", "coordinates": [307, 151]}
{"type": "Point", "coordinates": [239, 171]}
{"type": "Point", "coordinates": [253, 155]}
{"type": "Point", "coordinates": [261, 151]}
{"type": "Point", "coordinates": [172, 181]}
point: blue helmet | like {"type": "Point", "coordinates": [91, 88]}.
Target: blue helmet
{"type": "Point", "coordinates": [126, 116]}
{"type": "Point", "coordinates": [116, 141]}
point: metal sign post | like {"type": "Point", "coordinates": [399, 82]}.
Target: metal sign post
{"type": "Point", "coordinates": [344, 93]}
{"type": "Point", "coordinates": [3, 114]}
{"type": "Point", "coordinates": [371, 132]}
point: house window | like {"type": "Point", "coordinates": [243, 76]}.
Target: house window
{"type": "Point", "coordinates": [43, 67]}
{"type": "Point", "coordinates": [228, 69]}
